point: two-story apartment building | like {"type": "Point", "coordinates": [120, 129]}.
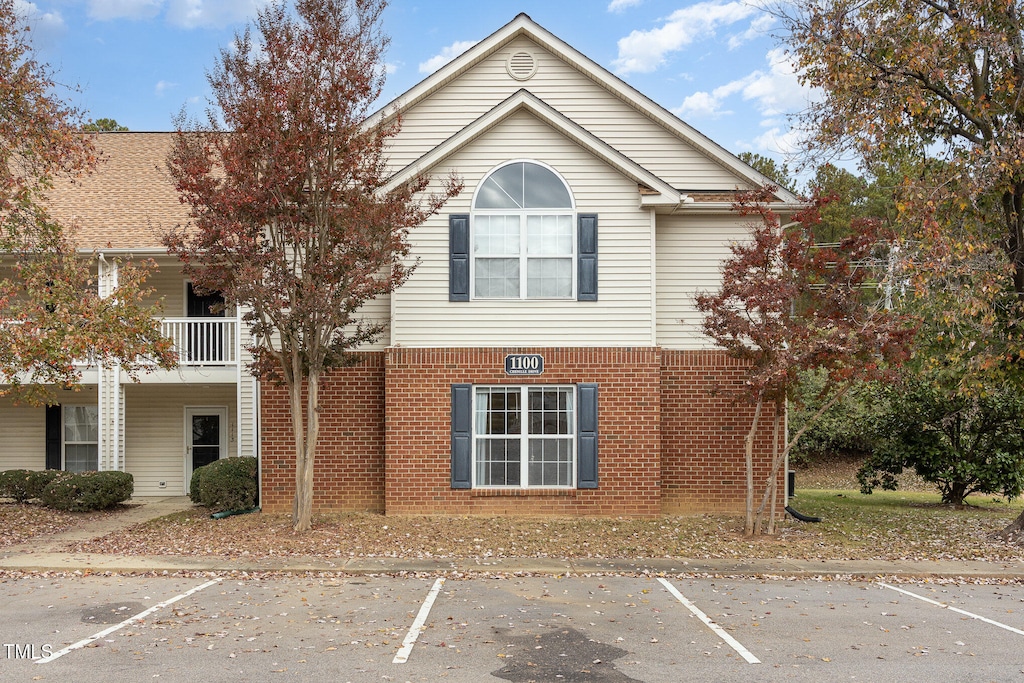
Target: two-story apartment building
{"type": "Point", "coordinates": [162, 426]}
{"type": "Point", "coordinates": [546, 356]}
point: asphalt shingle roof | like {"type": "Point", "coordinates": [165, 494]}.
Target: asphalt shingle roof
{"type": "Point", "coordinates": [129, 202]}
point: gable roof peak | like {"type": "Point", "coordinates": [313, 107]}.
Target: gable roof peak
{"type": "Point", "coordinates": [521, 25]}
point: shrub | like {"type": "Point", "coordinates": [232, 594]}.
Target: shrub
{"type": "Point", "coordinates": [85, 491]}
{"type": "Point", "coordinates": [194, 484]}
{"type": "Point", "coordinates": [963, 444]}
{"type": "Point", "coordinates": [225, 484]}
{"type": "Point", "coordinates": [22, 485]}
{"type": "Point", "coordinates": [846, 427]}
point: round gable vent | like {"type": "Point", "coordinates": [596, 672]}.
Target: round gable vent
{"type": "Point", "coordinates": [521, 65]}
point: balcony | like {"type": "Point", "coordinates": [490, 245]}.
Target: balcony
{"type": "Point", "coordinates": [203, 341]}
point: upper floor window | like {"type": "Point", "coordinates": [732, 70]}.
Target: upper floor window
{"type": "Point", "coordinates": [523, 235]}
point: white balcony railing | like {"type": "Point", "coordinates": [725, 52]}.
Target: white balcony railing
{"type": "Point", "coordinates": [203, 341]}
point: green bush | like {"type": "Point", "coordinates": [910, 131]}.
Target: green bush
{"type": "Point", "coordinates": [962, 443]}
{"type": "Point", "coordinates": [846, 427]}
{"type": "Point", "coordinates": [85, 491]}
{"type": "Point", "coordinates": [194, 485]}
{"type": "Point", "coordinates": [225, 484]}
{"type": "Point", "coordinates": [22, 485]}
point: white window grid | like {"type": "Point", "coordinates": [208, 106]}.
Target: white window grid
{"type": "Point", "coordinates": [524, 439]}
{"type": "Point", "coordinates": [523, 248]}
{"type": "Point", "coordinates": [79, 449]}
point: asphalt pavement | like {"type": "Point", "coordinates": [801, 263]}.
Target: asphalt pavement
{"type": "Point", "coordinates": [49, 554]}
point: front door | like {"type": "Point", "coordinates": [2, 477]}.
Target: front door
{"type": "Point", "coordinates": [205, 432]}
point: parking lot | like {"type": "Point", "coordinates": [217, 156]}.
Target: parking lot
{"type": "Point", "coordinates": [613, 628]}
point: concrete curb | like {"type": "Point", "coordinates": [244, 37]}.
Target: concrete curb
{"type": "Point", "coordinates": [852, 569]}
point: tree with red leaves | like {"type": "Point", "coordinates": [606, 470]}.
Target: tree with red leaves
{"type": "Point", "coordinates": [286, 184]}
{"type": "Point", "coordinates": [52, 314]}
{"type": "Point", "coordinates": [787, 305]}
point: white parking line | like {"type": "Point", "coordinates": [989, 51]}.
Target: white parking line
{"type": "Point", "coordinates": [719, 631]}
{"type": "Point", "coordinates": [138, 617]}
{"type": "Point", "coordinates": [953, 609]}
{"type": "Point", "coordinates": [418, 625]}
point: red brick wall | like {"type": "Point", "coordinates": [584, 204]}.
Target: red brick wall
{"type": "Point", "coordinates": [670, 434]}
{"type": "Point", "coordinates": [418, 476]}
{"type": "Point", "coordinates": [349, 469]}
{"type": "Point", "coordinates": [702, 432]}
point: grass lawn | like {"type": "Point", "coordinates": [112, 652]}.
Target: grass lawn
{"type": "Point", "coordinates": [908, 524]}
{"type": "Point", "coordinates": [884, 525]}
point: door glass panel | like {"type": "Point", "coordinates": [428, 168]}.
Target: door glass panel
{"type": "Point", "coordinates": [205, 439]}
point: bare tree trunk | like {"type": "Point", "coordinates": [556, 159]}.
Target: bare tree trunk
{"type": "Point", "coordinates": [302, 520]}
{"type": "Point", "coordinates": [294, 383]}
{"type": "Point", "coordinates": [780, 457]}
{"type": "Point", "coordinates": [1015, 530]}
{"type": "Point", "coordinates": [748, 443]}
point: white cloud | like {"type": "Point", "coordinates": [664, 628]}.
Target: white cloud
{"type": "Point", "coordinates": [759, 28]}
{"type": "Point", "coordinates": [447, 54]}
{"type": "Point", "coordinates": [162, 87]}
{"type": "Point", "coordinates": [215, 13]}
{"type": "Point", "coordinates": [622, 5]}
{"type": "Point", "coordinates": [645, 51]}
{"type": "Point", "coordinates": [700, 105]}
{"type": "Point", "coordinates": [775, 92]}
{"type": "Point", "coordinates": [46, 27]}
{"type": "Point", "coordinates": [183, 13]}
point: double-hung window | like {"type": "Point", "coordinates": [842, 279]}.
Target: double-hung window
{"type": "Point", "coordinates": [523, 235]}
{"type": "Point", "coordinates": [81, 438]}
{"type": "Point", "coordinates": [524, 436]}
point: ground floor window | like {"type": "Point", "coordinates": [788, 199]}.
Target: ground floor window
{"type": "Point", "coordinates": [524, 436]}
{"type": "Point", "coordinates": [81, 438]}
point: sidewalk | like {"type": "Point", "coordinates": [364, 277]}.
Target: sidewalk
{"type": "Point", "coordinates": [46, 554]}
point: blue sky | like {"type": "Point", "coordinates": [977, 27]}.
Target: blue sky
{"type": "Point", "coordinates": [713, 63]}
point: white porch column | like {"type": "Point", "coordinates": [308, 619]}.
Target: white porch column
{"type": "Point", "coordinates": [110, 399]}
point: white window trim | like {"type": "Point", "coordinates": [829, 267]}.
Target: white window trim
{"type": "Point", "coordinates": [524, 213]}
{"type": "Point", "coordinates": [64, 443]}
{"type": "Point", "coordinates": [525, 437]}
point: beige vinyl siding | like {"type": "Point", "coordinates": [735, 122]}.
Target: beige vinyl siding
{"type": "Point", "coordinates": [168, 287]}
{"type": "Point", "coordinates": [24, 443]}
{"type": "Point", "coordinates": [572, 94]}
{"type": "Point", "coordinates": [423, 316]}
{"type": "Point", "coordinates": [23, 426]}
{"type": "Point", "coordinates": [373, 312]}
{"type": "Point", "coordinates": [691, 249]}
{"type": "Point", "coordinates": [155, 432]}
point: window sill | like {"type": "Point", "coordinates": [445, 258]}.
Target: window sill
{"type": "Point", "coordinates": [522, 493]}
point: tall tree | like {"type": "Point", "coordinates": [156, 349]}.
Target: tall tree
{"type": "Point", "coordinates": [938, 82]}
{"type": "Point", "coordinates": [104, 126]}
{"type": "Point", "coordinates": [291, 219]}
{"type": "Point", "coordinates": [52, 314]}
{"type": "Point", "coordinates": [778, 173]}
{"type": "Point", "coordinates": [787, 305]}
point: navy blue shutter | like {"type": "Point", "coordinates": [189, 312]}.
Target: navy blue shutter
{"type": "Point", "coordinates": [458, 257]}
{"type": "Point", "coordinates": [462, 436]}
{"type": "Point", "coordinates": [586, 266]}
{"type": "Point", "coordinates": [586, 436]}
{"type": "Point", "coordinates": [53, 437]}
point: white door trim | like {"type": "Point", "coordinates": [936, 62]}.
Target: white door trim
{"type": "Point", "coordinates": [222, 412]}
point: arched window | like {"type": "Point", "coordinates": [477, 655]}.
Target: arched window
{"type": "Point", "coordinates": [523, 236]}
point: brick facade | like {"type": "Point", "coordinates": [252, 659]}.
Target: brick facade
{"type": "Point", "coordinates": [702, 433]}
{"type": "Point", "coordinates": [670, 434]}
{"type": "Point", "coordinates": [349, 469]}
{"type": "Point", "coordinates": [419, 430]}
